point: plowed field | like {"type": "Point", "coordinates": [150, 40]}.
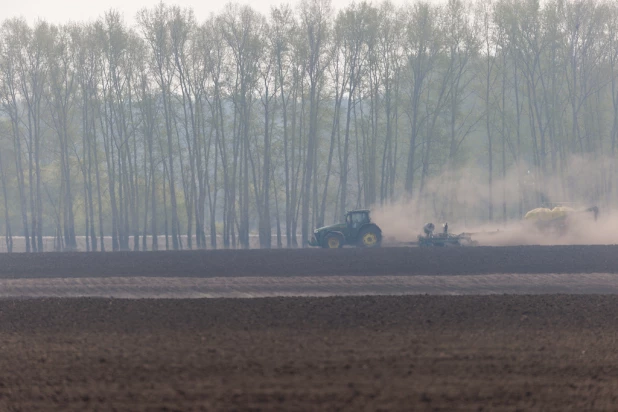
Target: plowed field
{"type": "Point", "coordinates": [510, 352]}
{"type": "Point", "coordinates": [353, 353]}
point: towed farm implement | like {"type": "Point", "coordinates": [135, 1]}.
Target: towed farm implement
{"type": "Point", "coordinates": [429, 238]}
{"type": "Point", "coordinates": [559, 219]}
{"type": "Point", "coordinates": [545, 221]}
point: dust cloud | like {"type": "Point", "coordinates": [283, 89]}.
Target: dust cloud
{"type": "Point", "coordinates": [462, 198]}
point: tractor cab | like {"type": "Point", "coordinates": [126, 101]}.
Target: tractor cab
{"type": "Point", "coordinates": [357, 218]}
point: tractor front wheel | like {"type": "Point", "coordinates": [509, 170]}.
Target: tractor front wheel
{"type": "Point", "coordinates": [370, 237]}
{"type": "Point", "coordinates": [333, 241]}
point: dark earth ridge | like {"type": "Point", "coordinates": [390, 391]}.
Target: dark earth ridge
{"type": "Point", "coordinates": [315, 262]}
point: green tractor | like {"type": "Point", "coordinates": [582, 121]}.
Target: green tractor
{"type": "Point", "coordinates": [358, 230]}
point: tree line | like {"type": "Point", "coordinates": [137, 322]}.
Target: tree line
{"type": "Point", "coordinates": [197, 134]}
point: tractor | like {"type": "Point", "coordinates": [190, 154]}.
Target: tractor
{"type": "Point", "coordinates": [357, 230]}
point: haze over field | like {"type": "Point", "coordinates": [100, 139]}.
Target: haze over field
{"type": "Point", "coordinates": [63, 11]}
{"type": "Point", "coordinates": [208, 128]}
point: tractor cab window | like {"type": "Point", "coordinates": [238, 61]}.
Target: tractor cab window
{"type": "Point", "coordinates": [357, 219]}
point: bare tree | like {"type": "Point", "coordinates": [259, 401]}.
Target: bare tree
{"type": "Point", "coordinates": [155, 28]}
{"type": "Point", "coordinates": [315, 25]}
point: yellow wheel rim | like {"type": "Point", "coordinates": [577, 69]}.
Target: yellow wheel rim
{"type": "Point", "coordinates": [333, 243]}
{"type": "Point", "coordinates": [370, 239]}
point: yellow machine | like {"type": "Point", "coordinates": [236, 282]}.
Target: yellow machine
{"type": "Point", "coordinates": [556, 219]}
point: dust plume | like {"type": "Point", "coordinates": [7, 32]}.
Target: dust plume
{"type": "Point", "coordinates": [462, 198]}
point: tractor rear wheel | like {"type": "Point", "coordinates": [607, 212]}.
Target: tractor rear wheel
{"type": "Point", "coordinates": [370, 237]}
{"type": "Point", "coordinates": [333, 241]}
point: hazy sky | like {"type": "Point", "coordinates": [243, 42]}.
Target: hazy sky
{"type": "Point", "coordinates": [61, 11]}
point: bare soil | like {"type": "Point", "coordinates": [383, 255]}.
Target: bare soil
{"type": "Point", "coordinates": [315, 262]}
{"type": "Point", "coordinates": [309, 286]}
{"type": "Point", "coordinates": [443, 353]}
